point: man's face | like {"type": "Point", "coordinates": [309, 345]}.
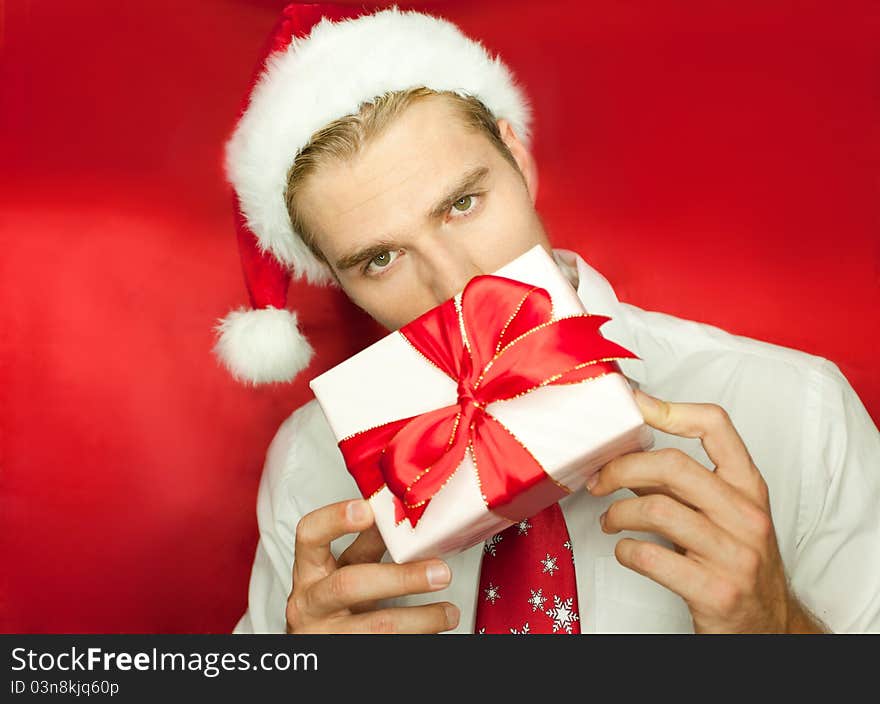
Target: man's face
{"type": "Point", "coordinates": [404, 228]}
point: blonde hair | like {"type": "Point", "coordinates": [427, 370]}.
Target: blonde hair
{"type": "Point", "coordinates": [343, 138]}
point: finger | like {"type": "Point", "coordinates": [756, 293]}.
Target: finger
{"type": "Point", "coordinates": [354, 584]}
{"type": "Point", "coordinates": [716, 431]}
{"type": "Point", "coordinates": [687, 478]}
{"type": "Point", "coordinates": [647, 491]}
{"type": "Point", "coordinates": [680, 574]}
{"type": "Point", "coordinates": [316, 530]}
{"type": "Point", "coordinates": [367, 547]}
{"type": "Point", "coordinates": [430, 618]}
{"type": "Point", "coordinates": [685, 527]}
{"type": "Point", "coordinates": [665, 491]}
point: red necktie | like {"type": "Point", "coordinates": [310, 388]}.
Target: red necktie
{"type": "Point", "coordinates": [527, 579]}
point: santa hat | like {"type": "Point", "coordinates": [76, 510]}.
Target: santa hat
{"type": "Point", "coordinates": [323, 62]}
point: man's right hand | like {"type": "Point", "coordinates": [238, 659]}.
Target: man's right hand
{"type": "Point", "coordinates": [339, 595]}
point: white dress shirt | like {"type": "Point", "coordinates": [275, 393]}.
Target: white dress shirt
{"type": "Point", "coordinates": [805, 428]}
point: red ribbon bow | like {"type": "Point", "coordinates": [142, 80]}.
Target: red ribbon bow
{"type": "Point", "coordinates": [511, 346]}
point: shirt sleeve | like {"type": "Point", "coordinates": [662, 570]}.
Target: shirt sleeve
{"type": "Point", "coordinates": [277, 517]}
{"type": "Point", "coordinates": [837, 567]}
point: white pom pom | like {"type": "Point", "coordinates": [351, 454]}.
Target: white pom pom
{"type": "Point", "coordinates": [261, 346]}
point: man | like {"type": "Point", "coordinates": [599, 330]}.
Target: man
{"type": "Point", "coordinates": [400, 200]}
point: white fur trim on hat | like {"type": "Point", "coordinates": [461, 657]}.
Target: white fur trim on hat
{"type": "Point", "coordinates": [328, 75]}
{"type": "Point", "coordinates": [263, 345]}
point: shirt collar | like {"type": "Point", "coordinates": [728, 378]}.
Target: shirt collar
{"type": "Point", "coordinates": [599, 298]}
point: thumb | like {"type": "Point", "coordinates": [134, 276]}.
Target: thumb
{"type": "Point", "coordinates": [367, 547]}
{"type": "Point", "coordinates": [655, 412]}
{"type": "Point", "coordinates": [718, 436]}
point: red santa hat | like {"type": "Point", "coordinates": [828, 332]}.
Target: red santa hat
{"type": "Point", "coordinates": [324, 62]}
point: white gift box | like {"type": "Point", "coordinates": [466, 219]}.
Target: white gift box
{"type": "Point", "coordinates": [571, 429]}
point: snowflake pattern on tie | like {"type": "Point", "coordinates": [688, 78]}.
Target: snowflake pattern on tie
{"type": "Point", "coordinates": [539, 589]}
{"type": "Point", "coordinates": [549, 564]}
{"type": "Point", "coordinates": [490, 544]}
{"type": "Point", "coordinates": [562, 614]}
{"type": "Point", "coordinates": [537, 599]}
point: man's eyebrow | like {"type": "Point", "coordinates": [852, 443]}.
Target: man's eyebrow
{"type": "Point", "coordinates": [471, 179]}
{"type": "Point", "coordinates": [365, 254]}
{"type": "Point", "coordinates": [468, 181]}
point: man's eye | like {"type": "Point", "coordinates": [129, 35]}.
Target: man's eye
{"type": "Point", "coordinates": [465, 204]}
{"type": "Point", "coordinates": [381, 261]}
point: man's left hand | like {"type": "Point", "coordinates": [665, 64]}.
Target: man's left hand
{"type": "Point", "coordinates": [726, 564]}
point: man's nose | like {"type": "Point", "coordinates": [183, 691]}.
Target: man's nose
{"type": "Point", "coordinates": [448, 271]}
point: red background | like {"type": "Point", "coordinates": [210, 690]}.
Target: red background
{"type": "Point", "coordinates": [717, 161]}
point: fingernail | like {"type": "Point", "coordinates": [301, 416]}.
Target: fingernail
{"type": "Point", "coordinates": [592, 481]}
{"type": "Point", "coordinates": [357, 511]}
{"type": "Point", "coordinates": [452, 615]}
{"type": "Point", "coordinates": [602, 520]}
{"type": "Point", "coordinates": [438, 574]}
